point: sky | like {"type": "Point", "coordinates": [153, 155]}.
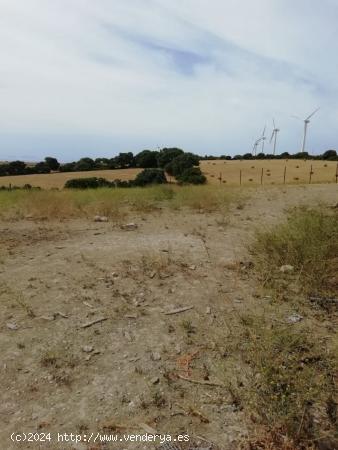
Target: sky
{"type": "Point", "coordinates": [95, 78]}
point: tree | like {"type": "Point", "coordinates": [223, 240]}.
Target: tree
{"type": "Point", "coordinates": [330, 155]}
{"type": "Point", "coordinates": [147, 159]}
{"type": "Point", "coordinates": [41, 167]}
{"type": "Point", "coordinates": [125, 160]}
{"type": "Point", "coordinates": [102, 163]}
{"type": "Point", "coordinates": [16, 168]}
{"type": "Point", "coordinates": [182, 162]}
{"type": "Point", "coordinates": [150, 176]}
{"type": "Point", "coordinates": [193, 175]}
{"type": "Point", "coordinates": [166, 155]}
{"type": "Point", "coordinates": [68, 167]}
{"type": "Point", "coordinates": [52, 163]}
{"type": "Point", "coordinates": [85, 164]}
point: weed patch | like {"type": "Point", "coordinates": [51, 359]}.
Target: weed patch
{"type": "Point", "coordinates": [307, 241]}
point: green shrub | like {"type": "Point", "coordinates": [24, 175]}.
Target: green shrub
{"type": "Point", "coordinates": [193, 175]}
{"type": "Point", "coordinates": [88, 183]}
{"type": "Point", "coordinates": [150, 176]}
{"type": "Point", "coordinates": [181, 163]}
{"type": "Point", "coordinates": [166, 155]}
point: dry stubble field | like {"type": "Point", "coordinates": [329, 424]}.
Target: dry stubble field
{"type": "Point", "coordinates": [140, 367]}
{"type": "Point", "coordinates": [297, 172]}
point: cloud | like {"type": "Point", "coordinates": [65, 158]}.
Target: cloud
{"type": "Point", "coordinates": [81, 77]}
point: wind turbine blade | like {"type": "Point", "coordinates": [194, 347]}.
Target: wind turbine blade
{"type": "Point", "coordinates": [314, 112]}
{"type": "Point", "coordinates": [263, 135]}
{"type": "Point", "coordinates": [297, 117]}
{"type": "Point", "coordinates": [272, 136]}
{"type": "Point", "coordinates": [274, 124]}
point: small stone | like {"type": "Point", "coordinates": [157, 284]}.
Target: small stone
{"type": "Point", "coordinates": [87, 348]}
{"type": "Point", "coordinates": [12, 326]}
{"type": "Point", "coordinates": [208, 310]}
{"type": "Point", "coordinates": [155, 356]}
{"type": "Point", "coordinates": [286, 268]}
{"type": "Point", "coordinates": [294, 318]}
{"type": "Point", "coordinates": [193, 267]}
{"type": "Point", "coordinates": [130, 226]}
{"type": "Point", "coordinates": [155, 380]}
{"type": "Point", "coordinates": [100, 219]}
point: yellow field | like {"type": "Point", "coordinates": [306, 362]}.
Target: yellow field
{"type": "Point", "coordinates": [58, 180]}
{"type": "Point", "coordinates": [217, 172]}
{"type": "Point", "coordinates": [297, 171]}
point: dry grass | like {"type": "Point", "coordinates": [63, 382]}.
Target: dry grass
{"type": "Point", "coordinates": [298, 172]}
{"type": "Point", "coordinates": [291, 380]}
{"type": "Point", "coordinates": [58, 180]}
{"type": "Point", "coordinates": [289, 385]}
{"type": "Point", "coordinates": [113, 203]}
{"type": "Point", "coordinates": [308, 241]}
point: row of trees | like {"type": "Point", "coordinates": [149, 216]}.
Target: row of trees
{"type": "Point", "coordinates": [21, 168]}
{"type": "Point", "coordinates": [172, 160]}
{"type": "Point", "coordinates": [329, 155]}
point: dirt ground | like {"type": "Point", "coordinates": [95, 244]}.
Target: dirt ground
{"type": "Point", "coordinates": [137, 368]}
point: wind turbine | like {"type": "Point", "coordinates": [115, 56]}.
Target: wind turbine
{"type": "Point", "coordinates": [274, 135]}
{"type": "Point", "coordinates": [254, 151]}
{"type": "Point", "coordinates": [306, 124]}
{"type": "Point", "coordinates": [263, 138]}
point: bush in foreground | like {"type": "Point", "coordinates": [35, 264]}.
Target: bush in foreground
{"type": "Point", "coordinates": [150, 176]}
{"type": "Point", "coordinates": [87, 183]}
{"type": "Point", "coordinates": [193, 175]}
{"type": "Point", "coordinates": [181, 163]}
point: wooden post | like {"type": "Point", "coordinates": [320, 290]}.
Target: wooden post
{"type": "Point", "coordinates": [240, 177]}
{"type": "Point", "coordinates": [284, 174]}
{"type": "Point", "coordinates": [310, 175]}
{"type": "Point", "coordinates": [262, 173]}
{"type": "Point", "coordinates": [220, 178]}
{"type": "Point", "coordinates": [10, 186]}
{"type": "Point", "coordinates": [337, 174]}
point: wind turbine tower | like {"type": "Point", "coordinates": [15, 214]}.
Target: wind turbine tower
{"type": "Point", "coordinates": [263, 138]}
{"type": "Point", "coordinates": [306, 124]}
{"type": "Point", "coordinates": [274, 136]}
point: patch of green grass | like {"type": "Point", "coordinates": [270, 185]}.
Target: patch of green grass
{"type": "Point", "coordinates": [308, 241]}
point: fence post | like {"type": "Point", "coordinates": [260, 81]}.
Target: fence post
{"type": "Point", "coordinates": [240, 177]}
{"type": "Point", "coordinates": [337, 174]}
{"type": "Point", "coordinates": [310, 175]}
{"type": "Point", "coordinates": [284, 174]}
{"type": "Point", "coordinates": [262, 173]}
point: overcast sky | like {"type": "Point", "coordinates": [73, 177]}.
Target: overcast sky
{"type": "Point", "coordinates": [97, 77]}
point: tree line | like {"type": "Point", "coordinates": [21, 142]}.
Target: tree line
{"type": "Point", "coordinates": [329, 155]}
{"type": "Point", "coordinates": [169, 159]}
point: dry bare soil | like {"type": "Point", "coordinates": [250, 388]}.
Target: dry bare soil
{"type": "Point", "coordinates": [140, 366]}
